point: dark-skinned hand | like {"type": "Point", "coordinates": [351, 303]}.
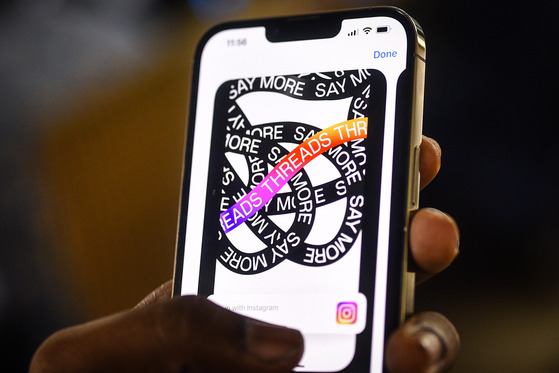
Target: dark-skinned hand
{"type": "Point", "coordinates": [191, 334]}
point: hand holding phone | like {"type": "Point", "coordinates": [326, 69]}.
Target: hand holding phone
{"type": "Point", "coordinates": [163, 335]}
{"type": "Point", "coordinates": [301, 171]}
{"type": "Point", "coordinates": [325, 116]}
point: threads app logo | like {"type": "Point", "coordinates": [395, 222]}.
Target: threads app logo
{"type": "Point", "coordinates": [346, 313]}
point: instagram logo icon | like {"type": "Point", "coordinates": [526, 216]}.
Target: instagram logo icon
{"type": "Point", "coordinates": [346, 313]}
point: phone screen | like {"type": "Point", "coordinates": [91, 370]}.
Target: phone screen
{"type": "Point", "coordinates": [287, 208]}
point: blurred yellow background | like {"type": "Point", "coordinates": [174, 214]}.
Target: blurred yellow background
{"type": "Point", "coordinates": [94, 98]}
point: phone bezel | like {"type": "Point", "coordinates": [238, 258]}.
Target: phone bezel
{"type": "Point", "coordinates": [407, 138]}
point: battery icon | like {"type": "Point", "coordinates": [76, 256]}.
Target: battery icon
{"type": "Point", "coordinates": [383, 29]}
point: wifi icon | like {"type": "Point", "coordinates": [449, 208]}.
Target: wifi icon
{"type": "Point", "coordinates": [366, 30]}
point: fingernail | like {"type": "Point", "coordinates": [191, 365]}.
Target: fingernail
{"type": "Point", "coordinates": [272, 343]}
{"type": "Point", "coordinates": [438, 338]}
{"type": "Point", "coordinates": [432, 345]}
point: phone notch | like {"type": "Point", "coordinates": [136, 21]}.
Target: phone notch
{"type": "Point", "coordinates": [321, 26]}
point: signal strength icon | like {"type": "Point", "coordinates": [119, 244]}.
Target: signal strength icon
{"type": "Point", "coordinates": [366, 30]}
{"type": "Point", "coordinates": [353, 33]}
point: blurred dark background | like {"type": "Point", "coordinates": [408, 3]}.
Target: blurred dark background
{"type": "Point", "coordinates": [93, 100]}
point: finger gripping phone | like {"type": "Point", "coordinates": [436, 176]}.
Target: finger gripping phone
{"type": "Point", "coordinates": [301, 170]}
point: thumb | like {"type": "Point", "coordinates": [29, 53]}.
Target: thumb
{"type": "Point", "coordinates": [185, 334]}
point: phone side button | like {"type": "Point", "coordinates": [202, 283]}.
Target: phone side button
{"type": "Point", "coordinates": [414, 200]}
{"type": "Point", "coordinates": [410, 292]}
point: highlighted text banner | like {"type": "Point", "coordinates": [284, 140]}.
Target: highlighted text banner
{"type": "Point", "coordinates": [288, 167]}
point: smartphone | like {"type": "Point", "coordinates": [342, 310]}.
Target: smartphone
{"type": "Point", "coordinates": [301, 170]}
